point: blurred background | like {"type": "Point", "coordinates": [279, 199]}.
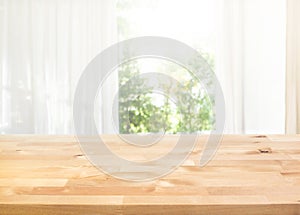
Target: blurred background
{"type": "Point", "coordinates": [249, 44]}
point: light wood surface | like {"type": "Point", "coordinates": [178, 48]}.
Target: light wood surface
{"type": "Point", "coordinates": [254, 174]}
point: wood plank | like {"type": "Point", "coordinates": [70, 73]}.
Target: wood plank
{"type": "Point", "coordinates": [250, 174]}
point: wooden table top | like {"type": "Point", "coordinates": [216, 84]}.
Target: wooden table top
{"type": "Point", "coordinates": [253, 174]}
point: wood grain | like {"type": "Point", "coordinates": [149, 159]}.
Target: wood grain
{"type": "Point", "coordinates": [253, 174]}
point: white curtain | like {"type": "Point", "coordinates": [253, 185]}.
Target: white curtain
{"type": "Point", "coordinates": [293, 68]}
{"type": "Point", "coordinates": [251, 64]}
{"type": "Point", "coordinates": [44, 47]}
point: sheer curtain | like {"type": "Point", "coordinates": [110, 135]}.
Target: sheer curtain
{"type": "Point", "coordinates": [293, 68]}
{"type": "Point", "coordinates": [251, 64]}
{"type": "Point", "coordinates": [44, 47]}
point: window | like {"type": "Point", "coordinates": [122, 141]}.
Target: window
{"type": "Point", "coordinates": [147, 111]}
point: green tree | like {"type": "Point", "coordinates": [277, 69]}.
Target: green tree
{"type": "Point", "coordinates": [137, 111]}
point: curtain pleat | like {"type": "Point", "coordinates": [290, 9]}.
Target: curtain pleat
{"type": "Point", "coordinates": [293, 68]}
{"type": "Point", "coordinates": [45, 46]}
{"type": "Point", "coordinates": [250, 64]}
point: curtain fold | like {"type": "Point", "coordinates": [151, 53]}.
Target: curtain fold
{"type": "Point", "coordinates": [230, 62]}
{"type": "Point", "coordinates": [250, 64]}
{"type": "Point", "coordinates": [293, 68]}
{"type": "Point", "coordinates": [45, 46]}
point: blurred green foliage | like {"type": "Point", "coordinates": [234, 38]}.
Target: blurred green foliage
{"type": "Point", "coordinates": [138, 112]}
